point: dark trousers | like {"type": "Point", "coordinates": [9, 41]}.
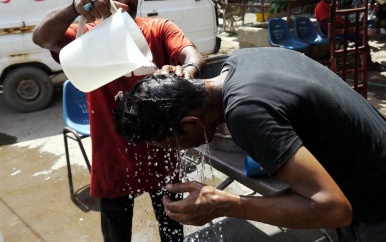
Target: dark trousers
{"type": "Point", "coordinates": [351, 37]}
{"type": "Point", "coordinates": [363, 232]}
{"type": "Point", "coordinates": [117, 215]}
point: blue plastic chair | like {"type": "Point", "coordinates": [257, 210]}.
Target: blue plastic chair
{"type": "Point", "coordinates": [325, 35]}
{"type": "Point", "coordinates": [280, 35]}
{"type": "Point", "coordinates": [305, 31]}
{"type": "Point", "coordinates": [77, 124]}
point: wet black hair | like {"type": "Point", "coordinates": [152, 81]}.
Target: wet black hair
{"type": "Point", "coordinates": [153, 108]}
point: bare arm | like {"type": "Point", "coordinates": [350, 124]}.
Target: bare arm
{"type": "Point", "coordinates": [314, 201]}
{"type": "Point", "coordinates": [50, 33]}
{"type": "Point", "coordinates": [189, 54]}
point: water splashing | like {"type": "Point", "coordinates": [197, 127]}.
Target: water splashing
{"type": "Point", "coordinates": [201, 162]}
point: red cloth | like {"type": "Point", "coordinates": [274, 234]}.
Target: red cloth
{"type": "Point", "coordinates": [322, 12]}
{"type": "Point", "coordinates": [120, 168]}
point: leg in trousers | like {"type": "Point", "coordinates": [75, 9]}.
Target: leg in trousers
{"type": "Point", "coordinates": [116, 218]}
{"type": "Point", "coordinates": [169, 229]}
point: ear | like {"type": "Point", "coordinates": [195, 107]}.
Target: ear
{"type": "Point", "coordinates": [189, 123]}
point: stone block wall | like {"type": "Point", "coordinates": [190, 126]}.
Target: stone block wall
{"type": "Point", "coordinates": [252, 37]}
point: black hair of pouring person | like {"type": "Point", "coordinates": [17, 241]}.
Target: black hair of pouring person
{"type": "Point", "coordinates": [295, 117]}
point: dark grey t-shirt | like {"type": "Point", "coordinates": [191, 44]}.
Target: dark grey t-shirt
{"type": "Point", "coordinates": [277, 100]}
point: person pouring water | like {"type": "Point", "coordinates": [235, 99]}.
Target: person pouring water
{"type": "Point", "coordinates": [295, 117]}
{"type": "Point", "coordinates": [120, 170]}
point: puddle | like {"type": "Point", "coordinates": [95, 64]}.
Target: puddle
{"type": "Point", "coordinates": [6, 139]}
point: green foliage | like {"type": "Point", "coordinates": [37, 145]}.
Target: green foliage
{"type": "Point", "coordinates": [278, 6]}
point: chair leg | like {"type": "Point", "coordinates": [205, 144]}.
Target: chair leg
{"type": "Point", "coordinates": [325, 237]}
{"type": "Point", "coordinates": [78, 138]}
{"type": "Point", "coordinates": [317, 50]}
{"type": "Point", "coordinates": [84, 154]}
{"type": "Point", "coordinates": [69, 173]}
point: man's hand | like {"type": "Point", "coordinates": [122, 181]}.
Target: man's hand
{"type": "Point", "coordinates": [198, 208]}
{"type": "Point", "coordinates": [99, 9]}
{"type": "Point", "coordinates": [178, 70]}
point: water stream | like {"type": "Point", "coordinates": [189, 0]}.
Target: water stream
{"type": "Point", "coordinates": [188, 168]}
{"type": "Point", "coordinates": [203, 174]}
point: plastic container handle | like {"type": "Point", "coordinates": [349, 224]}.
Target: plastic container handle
{"type": "Point", "coordinates": [83, 21]}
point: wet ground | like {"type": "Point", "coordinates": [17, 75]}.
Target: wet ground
{"type": "Point", "coordinates": [35, 203]}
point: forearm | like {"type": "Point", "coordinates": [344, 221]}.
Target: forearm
{"type": "Point", "coordinates": [288, 210]}
{"type": "Point", "coordinates": [190, 54]}
{"type": "Point", "coordinates": [314, 200]}
{"type": "Point", "coordinates": [49, 34]}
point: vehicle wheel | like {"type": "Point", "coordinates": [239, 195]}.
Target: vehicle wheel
{"type": "Point", "coordinates": [28, 89]}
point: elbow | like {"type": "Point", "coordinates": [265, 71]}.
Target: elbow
{"type": "Point", "coordinates": [345, 215]}
{"type": "Point", "coordinates": [343, 211]}
{"type": "Point", "coordinates": [42, 42]}
{"type": "Point", "coordinates": [36, 40]}
{"type": "Point", "coordinates": [37, 37]}
{"type": "Point", "coordinates": [48, 46]}
{"type": "Point", "coordinates": [339, 214]}
{"type": "Point", "coordinates": [332, 210]}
